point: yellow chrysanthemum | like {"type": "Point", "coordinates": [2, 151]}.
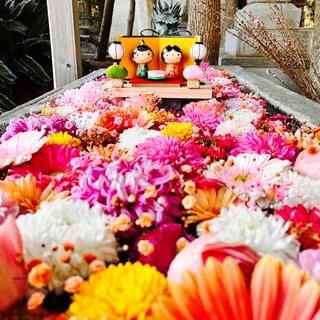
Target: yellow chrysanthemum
{"type": "Point", "coordinates": [119, 292]}
{"type": "Point", "coordinates": [182, 130]}
{"type": "Point", "coordinates": [64, 138]}
{"type": "Point", "coordinates": [162, 116]}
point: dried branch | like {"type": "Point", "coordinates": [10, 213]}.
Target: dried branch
{"type": "Point", "coordinates": [284, 49]}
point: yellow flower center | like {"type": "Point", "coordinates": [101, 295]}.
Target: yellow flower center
{"type": "Point", "coordinates": [145, 247]}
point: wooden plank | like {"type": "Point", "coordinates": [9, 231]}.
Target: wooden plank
{"type": "Point", "coordinates": [65, 41]}
{"type": "Point", "coordinates": [164, 92]}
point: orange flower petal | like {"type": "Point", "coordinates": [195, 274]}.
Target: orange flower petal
{"type": "Point", "coordinates": [265, 287]}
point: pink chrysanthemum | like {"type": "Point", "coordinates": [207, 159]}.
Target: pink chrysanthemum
{"type": "Point", "coordinates": [205, 121]}
{"type": "Point", "coordinates": [8, 207]}
{"type": "Point", "coordinates": [252, 177]}
{"type": "Point", "coordinates": [267, 143]}
{"type": "Point", "coordinates": [136, 191]}
{"type": "Point", "coordinates": [183, 156]}
{"type": "Point", "coordinates": [51, 163]}
{"type": "Point", "coordinates": [19, 148]}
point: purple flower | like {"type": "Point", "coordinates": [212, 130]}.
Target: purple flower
{"type": "Point", "coordinates": [267, 143]}
{"type": "Point", "coordinates": [39, 122]}
{"type": "Point", "coordinates": [133, 189]}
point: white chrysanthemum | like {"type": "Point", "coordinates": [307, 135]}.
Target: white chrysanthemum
{"type": "Point", "coordinates": [85, 120]}
{"type": "Point", "coordinates": [237, 127]}
{"type": "Point", "coordinates": [132, 137]}
{"type": "Point", "coordinates": [242, 115]}
{"type": "Point", "coordinates": [65, 111]}
{"type": "Point", "coordinates": [301, 190]}
{"type": "Point", "coordinates": [266, 235]}
{"type": "Point", "coordinates": [56, 223]}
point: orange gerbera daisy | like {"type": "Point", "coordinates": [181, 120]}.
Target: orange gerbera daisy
{"type": "Point", "coordinates": [26, 193]}
{"type": "Point", "coordinates": [219, 292]}
{"type": "Point", "coordinates": [124, 118]}
{"type": "Point", "coordinates": [205, 204]}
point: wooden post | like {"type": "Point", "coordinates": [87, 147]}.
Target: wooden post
{"type": "Point", "coordinates": [65, 41]}
{"type": "Point", "coordinates": [105, 30]}
{"type": "Point", "coordinates": [144, 10]}
{"type": "Point", "coordinates": [132, 11]}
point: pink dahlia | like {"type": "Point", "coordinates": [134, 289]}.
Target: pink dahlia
{"type": "Point", "coordinates": [142, 192]}
{"type": "Point", "coordinates": [8, 207]}
{"type": "Point", "coordinates": [158, 247]}
{"type": "Point", "coordinates": [51, 163]}
{"type": "Point", "coordinates": [21, 147]}
{"type": "Point", "coordinates": [267, 143]}
{"type": "Point", "coordinates": [205, 121]}
{"type": "Point", "coordinates": [183, 156]}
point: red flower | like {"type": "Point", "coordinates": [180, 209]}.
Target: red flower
{"type": "Point", "coordinates": [305, 224]}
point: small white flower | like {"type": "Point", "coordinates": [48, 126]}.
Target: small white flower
{"type": "Point", "coordinates": [236, 127]}
{"type": "Point", "coordinates": [132, 137]}
{"type": "Point", "coordinates": [61, 221]}
{"type": "Point", "coordinates": [65, 112]}
{"type": "Point", "coordinates": [85, 120]}
{"type": "Point", "coordinates": [266, 235]}
{"type": "Point", "coordinates": [301, 190]}
{"type": "Point", "coordinates": [222, 81]}
{"type": "Point", "coordinates": [242, 115]}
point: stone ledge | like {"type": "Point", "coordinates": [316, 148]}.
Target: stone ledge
{"type": "Point", "coordinates": [280, 98]}
{"type": "Point", "coordinates": [37, 104]}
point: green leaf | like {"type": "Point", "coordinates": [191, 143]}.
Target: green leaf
{"type": "Point", "coordinates": [6, 76]}
{"type": "Point", "coordinates": [31, 69]}
{"type": "Point", "coordinates": [34, 44]}
{"type": "Point", "coordinates": [6, 103]}
{"type": "Point", "coordinates": [21, 8]}
{"type": "Point", "coordinates": [13, 25]}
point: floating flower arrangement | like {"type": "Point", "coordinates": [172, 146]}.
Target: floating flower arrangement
{"type": "Point", "coordinates": [124, 209]}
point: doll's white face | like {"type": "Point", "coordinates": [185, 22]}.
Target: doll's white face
{"type": "Point", "coordinates": [172, 57]}
{"type": "Point", "coordinates": [143, 57]}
